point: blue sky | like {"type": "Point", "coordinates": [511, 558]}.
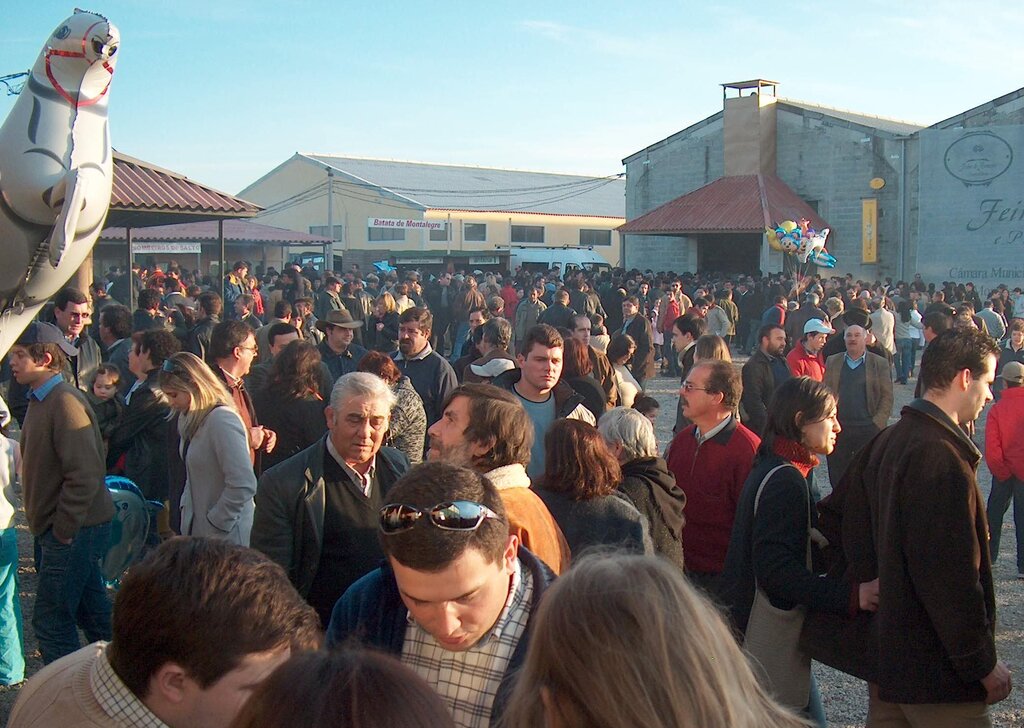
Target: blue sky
{"type": "Point", "coordinates": [224, 90]}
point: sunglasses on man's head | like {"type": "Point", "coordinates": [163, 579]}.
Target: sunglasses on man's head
{"type": "Point", "coordinates": [448, 516]}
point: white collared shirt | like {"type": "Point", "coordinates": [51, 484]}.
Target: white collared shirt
{"type": "Point", "coordinates": [363, 482]}
{"type": "Point", "coordinates": [422, 355]}
{"type": "Point", "coordinates": [702, 438]}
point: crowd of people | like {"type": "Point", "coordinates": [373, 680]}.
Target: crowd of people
{"type": "Point", "coordinates": [452, 484]}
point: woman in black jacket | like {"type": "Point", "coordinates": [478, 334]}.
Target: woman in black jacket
{"type": "Point", "coordinates": [291, 404]}
{"type": "Point", "coordinates": [577, 373]}
{"type": "Point", "coordinates": [383, 326]}
{"type": "Point", "coordinates": [771, 536]}
{"type": "Point", "coordinates": [579, 488]}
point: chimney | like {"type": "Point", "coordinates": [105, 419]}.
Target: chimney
{"type": "Point", "coordinates": [749, 122]}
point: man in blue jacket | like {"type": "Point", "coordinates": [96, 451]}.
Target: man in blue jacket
{"type": "Point", "coordinates": [456, 581]}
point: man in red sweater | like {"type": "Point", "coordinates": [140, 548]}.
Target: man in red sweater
{"type": "Point", "coordinates": [1004, 454]}
{"type": "Point", "coordinates": [711, 460]}
{"type": "Point", "coordinates": [806, 360]}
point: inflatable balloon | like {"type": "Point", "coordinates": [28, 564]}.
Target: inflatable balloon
{"type": "Point", "coordinates": [812, 243]}
{"type": "Point", "coordinates": [129, 529]}
{"type": "Point", "coordinates": [823, 259]}
{"type": "Point", "coordinates": [56, 168]}
{"type": "Point", "coordinates": [773, 239]}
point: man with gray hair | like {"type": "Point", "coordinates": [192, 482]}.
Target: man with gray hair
{"type": "Point", "coordinates": [316, 512]}
{"type": "Point", "coordinates": [646, 478]}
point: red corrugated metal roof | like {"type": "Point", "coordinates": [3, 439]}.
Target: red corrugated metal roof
{"type": "Point", "coordinates": [235, 231]}
{"type": "Point", "coordinates": [742, 204]}
{"type": "Point", "coordinates": [143, 187]}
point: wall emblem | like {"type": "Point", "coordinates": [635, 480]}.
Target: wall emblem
{"type": "Point", "coordinates": [978, 157]}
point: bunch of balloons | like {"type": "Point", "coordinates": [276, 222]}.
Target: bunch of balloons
{"type": "Point", "coordinates": [801, 240]}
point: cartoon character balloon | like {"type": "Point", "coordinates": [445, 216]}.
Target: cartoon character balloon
{"type": "Point", "coordinates": [56, 169]}
{"type": "Point", "coordinates": [801, 240]}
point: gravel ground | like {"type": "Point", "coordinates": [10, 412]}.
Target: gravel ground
{"type": "Point", "coordinates": [845, 697]}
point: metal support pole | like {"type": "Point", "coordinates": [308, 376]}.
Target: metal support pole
{"type": "Point", "coordinates": [131, 279]}
{"type": "Point", "coordinates": [223, 262]}
{"type": "Point", "coordinates": [329, 248]}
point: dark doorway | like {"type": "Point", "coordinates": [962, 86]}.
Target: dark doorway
{"type": "Point", "coordinates": [730, 252]}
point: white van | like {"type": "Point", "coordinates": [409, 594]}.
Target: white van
{"type": "Point", "coordinates": [538, 258]}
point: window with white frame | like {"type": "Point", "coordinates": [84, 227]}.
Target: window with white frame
{"type": "Point", "coordinates": [527, 233]}
{"type": "Point", "coordinates": [474, 232]}
{"type": "Point", "coordinates": [376, 235]}
{"type": "Point", "coordinates": [595, 237]}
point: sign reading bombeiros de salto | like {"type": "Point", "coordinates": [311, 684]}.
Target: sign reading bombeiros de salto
{"type": "Point", "coordinates": [391, 222]}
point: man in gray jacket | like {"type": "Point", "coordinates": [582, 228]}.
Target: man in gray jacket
{"type": "Point", "coordinates": [316, 513]}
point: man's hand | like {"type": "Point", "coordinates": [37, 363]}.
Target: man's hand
{"type": "Point", "coordinates": [998, 684]}
{"type": "Point", "coordinates": [868, 597]}
{"type": "Point", "coordinates": [269, 440]}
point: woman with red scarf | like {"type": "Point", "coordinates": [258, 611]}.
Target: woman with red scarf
{"type": "Point", "coordinates": [769, 552]}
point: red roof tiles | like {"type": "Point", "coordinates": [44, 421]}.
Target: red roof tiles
{"type": "Point", "coordinates": [741, 204]}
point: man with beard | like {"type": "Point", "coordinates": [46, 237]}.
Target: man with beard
{"type": "Point", "coordinates": [762, 374]}
{"type": "Point", "coordinates": [431, 375]}
{"type": "Point", "coordinates": [486, 429]}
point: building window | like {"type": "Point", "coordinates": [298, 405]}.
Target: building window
{"type": "Point", "coordinates": [474, 232]}
{"type": "Point", "coordinates": [595, 237]}
{"type": "Point", "coordinates": [376, 235]}
{"type": "Point", "coordinates": [325, 231]}
{"type": "Point", "coordinates": [527, 233]}
{"type": "Point", "coordinates": [439, 236]}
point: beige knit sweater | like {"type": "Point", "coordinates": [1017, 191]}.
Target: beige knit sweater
{"type": "Point", "coordinates": [62, 465]}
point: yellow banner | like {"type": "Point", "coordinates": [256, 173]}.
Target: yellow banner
{"type": "Point", "coordinates": [869, 230]}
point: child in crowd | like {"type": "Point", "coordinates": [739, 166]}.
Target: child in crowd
{"type": "Point", "coordinates": [599, 337]}
{"type": "Point", "coordinates": [105, 400]}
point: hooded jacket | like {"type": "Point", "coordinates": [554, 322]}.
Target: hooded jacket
{"type": "Point", "coordinates": [653, 490]}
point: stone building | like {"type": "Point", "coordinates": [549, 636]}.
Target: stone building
{"type": "Point", "coordinates": [945, 200]}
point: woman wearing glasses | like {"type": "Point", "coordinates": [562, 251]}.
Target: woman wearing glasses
{"type": "Point", "coordinates": [769, 580]}
{"type": "Point", "coordinates": [219, 479]}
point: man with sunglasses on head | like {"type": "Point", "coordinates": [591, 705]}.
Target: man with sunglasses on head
{"type": "Point", "coordinates": [455, 598]}
{"type": "Point", "coordinates": [316, 512]}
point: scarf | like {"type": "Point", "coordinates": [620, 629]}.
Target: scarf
{"type": "Point", "coordinates": [802, 459]}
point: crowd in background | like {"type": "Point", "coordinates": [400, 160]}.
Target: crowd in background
{"type": "Point", "coordinates": [290, 411]}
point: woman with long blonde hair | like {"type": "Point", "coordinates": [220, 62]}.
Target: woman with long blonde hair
{"type": "Point", "coordinates": [219, 480]}
{"type": "Point", "coordinates": [623, 640]}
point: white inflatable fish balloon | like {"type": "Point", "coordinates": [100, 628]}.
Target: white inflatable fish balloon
{"type": "Point", "coordinates": [56, 168]}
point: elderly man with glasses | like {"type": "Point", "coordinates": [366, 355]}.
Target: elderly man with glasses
{"type": "Point", "coordinates": [316, 512]}
{"type": "Point", "coordinates": [456, 581]}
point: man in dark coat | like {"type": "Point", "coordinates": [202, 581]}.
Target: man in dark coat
{"type": "Point", "coordinates": [909, 512]}
{"type": "Point", "coordinates": [762, 374]}
{"type": "Point", "coordinates": [316, 513]}
{"type": "Point", "coordinates": [635, 324]}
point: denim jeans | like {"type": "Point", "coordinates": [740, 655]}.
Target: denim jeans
{"type": "Point", "coordinates": [12, 640]}
{"type": "Point", "coordinates": [750, 345]}
{"type": "Point", "coordinates": [998, 501]}
{"type": "Point", "coordinates": [815, 710]}
{"type": "Point", "coordinates": [71, 593]}
{"type": "Point", "coordinates": [461, 332]}
{"type": "Point", "coordinates": [904, 359]}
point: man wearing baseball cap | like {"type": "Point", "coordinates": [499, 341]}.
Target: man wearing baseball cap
{"type": "Point", "coordinates": [805, 359]}
{"type": "Point", "coordinates": [337, 350]}
{"type": "Point", "coordinates": [67, 504]}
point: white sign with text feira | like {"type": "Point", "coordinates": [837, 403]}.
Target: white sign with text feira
{"type": "Point", "coordinates": [392, 222]}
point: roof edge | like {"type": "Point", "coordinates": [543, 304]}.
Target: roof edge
{"type": "Point", "coordinates": [979, 109]}
{"type": "Point", "coordinates": [677, 135]}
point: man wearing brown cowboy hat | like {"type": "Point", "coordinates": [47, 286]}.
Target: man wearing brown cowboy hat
{"type": "Point", "coordinates": [337, 350]}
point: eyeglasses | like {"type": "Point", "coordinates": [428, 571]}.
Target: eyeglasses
{"type": "Point", "coordinates": [687, 387]}
{"type": "Point", "coordinates": [448, 516]}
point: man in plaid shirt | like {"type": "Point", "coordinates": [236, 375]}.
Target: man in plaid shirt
{"type": "Point", "coordinates": [456, 597]}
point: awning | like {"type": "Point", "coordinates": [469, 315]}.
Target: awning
{"type": "Point", "coordinates": [235, 232]}
{"type": "Point", "coordinates": [741, 204]}
{"type": "Point", "coordinates": [144, 195]}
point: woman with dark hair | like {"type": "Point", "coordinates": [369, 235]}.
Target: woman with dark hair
{"type": "Point", "coordinates": [577, 373]}
{"type": "Point", "coordinates": [344, 688]}
{"type": "Point", "coordinates": [620, 352]}
{"type": "Point", "coordinates": [580, 488]}
{"type": "Point", "coordinates": [769, 581]}
{"type": "Point", "coordinates": [408, 429]}
{"type": "Point", "coordinates": [383, 326]}
{"type": "Point", "coordinates": [907, 321]}
{"type": "Point", "coordinates": [291, 403]}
